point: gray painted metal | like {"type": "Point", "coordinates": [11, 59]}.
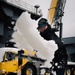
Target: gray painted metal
{"type": "Point", "coordinates": [69, 40]}
{"type": "Point", "coordinates": [24, 6]}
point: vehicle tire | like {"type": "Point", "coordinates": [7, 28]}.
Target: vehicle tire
{"type": "Point", "coordinates": [29, 70]}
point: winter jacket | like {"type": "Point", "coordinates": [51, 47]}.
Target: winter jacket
{"type": "Point", "coordinates": [60, 53]}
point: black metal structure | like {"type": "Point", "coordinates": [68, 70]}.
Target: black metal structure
{"type": "Point", "coordinates": [58, 16]}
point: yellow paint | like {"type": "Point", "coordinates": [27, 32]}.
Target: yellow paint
{"type": "Point", "coordinates": [28, 72]}
{"type": "Point", "coordinates": [52, 10]}
{"type": "Point", "coordinates": [30, 53]}
{"type": "Point", "coordinates": [26, 52]}
{"type": "Point", "coordinates": [33, 53]}
{"type": "Point", "coordinates": [12, 66]}
{"type": "Point", "coordinates": [47, 73]}
{"type": "Point", "coordinates": [9, 66]}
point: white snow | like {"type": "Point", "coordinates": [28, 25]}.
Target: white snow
{"type": "Point", "coordinates": [27, 37]}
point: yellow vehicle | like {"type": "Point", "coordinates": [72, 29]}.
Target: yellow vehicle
{"type": "Point", "coordinates": [23, 61]}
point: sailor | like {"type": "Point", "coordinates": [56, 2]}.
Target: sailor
{"type": "Point", "coordinates": [60, 56]}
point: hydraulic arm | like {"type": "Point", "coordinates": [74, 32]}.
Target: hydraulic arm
{"type": "Point", "coordinates": [56, 12]}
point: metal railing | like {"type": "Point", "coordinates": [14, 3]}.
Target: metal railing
{"type": "Point", "coordinates": [24, 6]}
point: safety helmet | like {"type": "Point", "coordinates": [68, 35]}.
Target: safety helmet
{"type": "Point", "coordinates": [42, 22]}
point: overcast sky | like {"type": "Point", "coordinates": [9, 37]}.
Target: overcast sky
{"type": "Point", "coordinates": [69, 15]}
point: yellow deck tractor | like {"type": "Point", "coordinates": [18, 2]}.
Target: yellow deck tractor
{"type": "Point", "coordinates": [23, 61]}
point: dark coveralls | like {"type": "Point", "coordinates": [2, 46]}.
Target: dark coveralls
{"type": "Point", "coordinates": [60, 55]}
